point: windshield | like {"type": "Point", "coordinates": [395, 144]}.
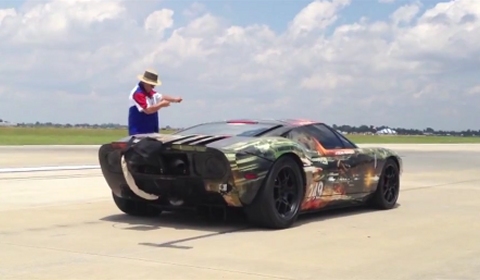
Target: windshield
{"type": "Point", "coordinates": [224, 128]}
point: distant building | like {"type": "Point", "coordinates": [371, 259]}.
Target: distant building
{"type": "Point", "coordinates": [6, 123]}
{"type": "Point", "coordinates": [387, 131]}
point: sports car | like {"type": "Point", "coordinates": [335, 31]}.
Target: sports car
{"type": "Point", "coordinates": [273, 170]}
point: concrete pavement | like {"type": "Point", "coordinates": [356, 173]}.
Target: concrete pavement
{"type": "Point", "coordinates": [64, 225]}
{"type": "Point", "coordinates": [35, 156]}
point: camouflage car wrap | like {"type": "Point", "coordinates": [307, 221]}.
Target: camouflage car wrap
{"type": "Point", "coordinates": [343, 174]}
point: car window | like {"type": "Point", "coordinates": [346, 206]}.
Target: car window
{"type": "Point", "coordinates": [325, 136]}
{"type": "Point", "coordinates": [347, 144]}
{"type": "Point", "coordinates": [302, 137]}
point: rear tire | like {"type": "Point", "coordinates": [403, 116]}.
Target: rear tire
{"type": "Point", "coordinates": [278, 201]}
{"type": "Point", "coordinates": [388, 189]}
{"type": "Point", "coordinates": [135, 208]}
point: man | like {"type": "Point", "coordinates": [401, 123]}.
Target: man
{"type": "Point", "coordinates": [143, 113]}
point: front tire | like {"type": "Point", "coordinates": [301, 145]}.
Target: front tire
{"type": "Point", "coordinates": [278, 201]}
{"type": "Point", "coordinates": [388, 190]}
{"type": "Point", "coordinates": [135, 208]}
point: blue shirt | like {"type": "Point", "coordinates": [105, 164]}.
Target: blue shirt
{"type": "Point", "coordinates": [140, 122]}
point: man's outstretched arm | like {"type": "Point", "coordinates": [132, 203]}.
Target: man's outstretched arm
{"type": "Point", "coordinates": [152, 109]}
{"type": "Point", "coordinates": [171, 98]}
{"type": "Point", "coordinates": [142, 105]}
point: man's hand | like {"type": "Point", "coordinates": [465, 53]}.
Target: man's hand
{"type": "Point", "coordinates": [177, 100]}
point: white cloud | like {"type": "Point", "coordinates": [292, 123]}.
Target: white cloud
{"type": "Point", "coordinates": [75, 61]}
{"type": "Point", "coordinates": [317, 15]}
{"type": "Point", "coordinates": [7, 13]}
{"type": "Point", "coordinates": [194, 10]}
{"type": "Point", "coordinates": [158, 21]}
{"type": "Point", "coordinates": [56, 19]}
{"type": "Point", "coordinates": [475, 90]}
{"type": "Point", "coordinates": [405, 14]}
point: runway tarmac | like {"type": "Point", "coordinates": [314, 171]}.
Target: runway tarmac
{"type": "Point", "coordinates": [64, 225]}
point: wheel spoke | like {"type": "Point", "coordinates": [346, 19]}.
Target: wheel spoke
{"type": "Point", "coordinates": [278, 205]}
{"type": "Point", "coordinates": [390, 184]}
{"type": "Point", "coordinates": [285, 192]}
{"type": "Point", "coordinates": [282, 206]}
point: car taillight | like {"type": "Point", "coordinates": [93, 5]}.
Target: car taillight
{"type": "Point", "coordinates": [250, 176]}
{"type": "Point", "coordinates": [119, 145]}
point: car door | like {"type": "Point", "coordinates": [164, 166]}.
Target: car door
{"type": "Point", "coordinates": [359, 166]}
{"type": "Point", "coordinates": [346, 167]}
{"type": "Point", "coordinates": [323, 187]}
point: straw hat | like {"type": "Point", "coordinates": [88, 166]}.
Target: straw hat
{"type": "Point", "coordinates": [150, 77]}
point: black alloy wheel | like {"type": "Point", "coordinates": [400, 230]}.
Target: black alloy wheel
{"type": "Point", "coordinates": [390, 184]}
{"type": "Point", "coordinates": [388, 190]}
{"type": "Point", "coordinates": [277, 203]}
{"type": "Point", "coordinates": [285, 192]}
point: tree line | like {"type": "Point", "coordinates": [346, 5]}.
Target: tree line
{"type": "Point", "coordinates": [348, 129]}
{"type": "Point", "coordinates": [370, 129]}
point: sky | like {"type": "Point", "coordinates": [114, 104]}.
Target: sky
{"type": "Point", "coordinates": [400, 63]}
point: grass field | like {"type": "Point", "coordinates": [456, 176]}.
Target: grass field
{"type": "Point", "coordinates": [77, 136]}
{"type": "Point", "coordinates": [58, 136]}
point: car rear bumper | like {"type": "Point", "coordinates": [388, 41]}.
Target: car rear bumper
{"type": "Point", "coordinates": [165, 190]}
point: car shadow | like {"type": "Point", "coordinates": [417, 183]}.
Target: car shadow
{"type": "Point", "coordinates": [217, 224]}
{"type": "Point", "coordinates": [180, 220]}
{"type": "Point", "coordinates": [208, 226]}
{"type": "Point", "coordinates": [338, 213]}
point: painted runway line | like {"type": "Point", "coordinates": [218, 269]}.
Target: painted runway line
{"type": "Point", "coordinates": [48, 168]}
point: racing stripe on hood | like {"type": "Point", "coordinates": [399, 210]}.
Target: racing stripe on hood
{"type": "Point", "coordinates": [171, 139]}
{"type": "Point", "coordinates": [189, 139]}
{"type": "Point", "coordinates": [208, 140]}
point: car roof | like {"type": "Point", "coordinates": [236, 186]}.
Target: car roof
{"type": "Point", "coordinates": [284, 122]}
{"type": "Point", "coordinates": [277, 126]}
